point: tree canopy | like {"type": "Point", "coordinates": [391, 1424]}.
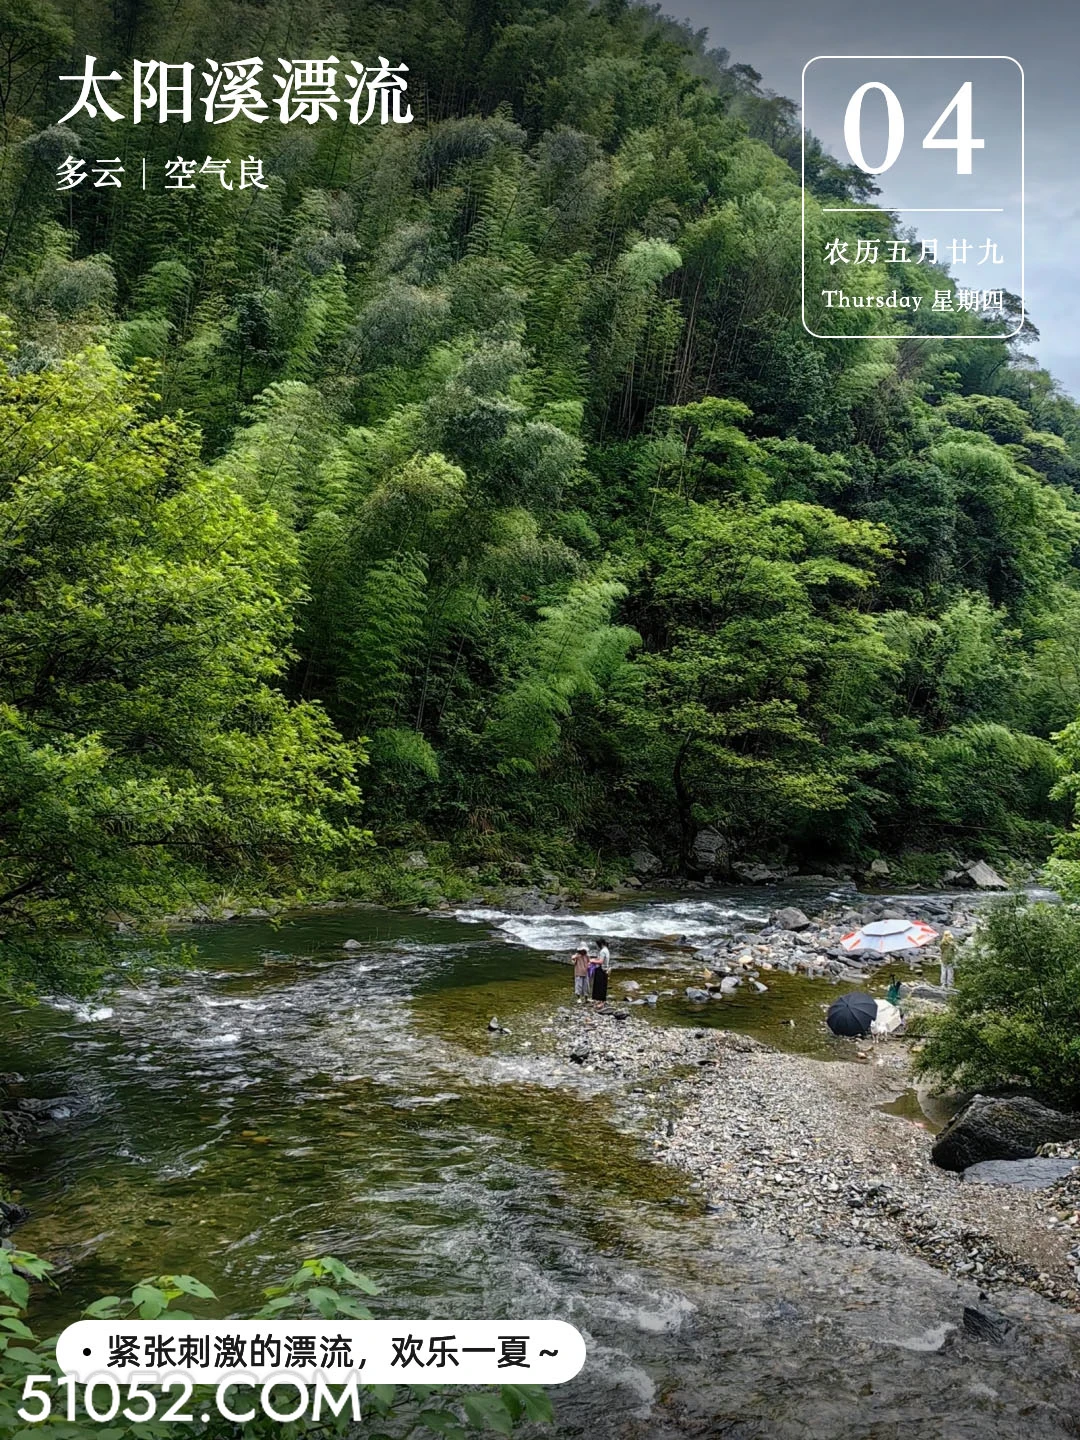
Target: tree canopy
{"type": "Point", "coordinates": [493, 445]}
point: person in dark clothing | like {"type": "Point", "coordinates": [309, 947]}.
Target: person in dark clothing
{"type": "Point", "coordinates": [600, 973]}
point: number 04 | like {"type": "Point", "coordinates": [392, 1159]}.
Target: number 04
{"type": "Point", "coordinates": [963, 142]}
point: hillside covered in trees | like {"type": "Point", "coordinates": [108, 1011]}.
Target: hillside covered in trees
{"type": "Point", "coordinates": [476, 481]}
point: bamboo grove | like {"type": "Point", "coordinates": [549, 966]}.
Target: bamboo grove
{"type": "Point", "coordinates": [476, 482]}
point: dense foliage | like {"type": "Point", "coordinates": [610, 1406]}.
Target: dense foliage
{"type": "Point", "coordinates": [1015, 1017]}
{"type": "Point", "coordinates": [537, 484]}
{"type": "Point", "coordinates": [144, 619]}
{"type": "Point", "coordinates": [322, 1288]}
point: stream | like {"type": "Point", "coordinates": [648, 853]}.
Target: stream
{"type": "Point", "coordinates": [287, 1097]}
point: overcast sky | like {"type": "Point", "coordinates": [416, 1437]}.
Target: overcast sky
{"type": "Point", "coordinates": [777, 38]}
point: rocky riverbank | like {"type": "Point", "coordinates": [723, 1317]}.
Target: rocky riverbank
{"type": "Point", "coordinates": [801, 1149]}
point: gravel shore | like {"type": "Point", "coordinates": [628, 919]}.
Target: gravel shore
{"type": "Point", "coordinates": [799, 1147]}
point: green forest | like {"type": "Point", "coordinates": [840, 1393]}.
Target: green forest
{"type": "Point", "coordinates": [475, 485]}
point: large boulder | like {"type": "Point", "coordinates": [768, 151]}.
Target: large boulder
{"type": "Point", "coordinates": [982, 876]}
{"type": "Point", "coordinates": [710, 853]}
{"type": "Point", "coordinates": [1007, 1128]}
{"type": "Point", "coordinates": [791, 918]}
{"type": "Point", "coordinates": [644, 862]}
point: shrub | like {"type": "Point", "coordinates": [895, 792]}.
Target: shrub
{"type": "Point", "coordinates": [1015, 1016]}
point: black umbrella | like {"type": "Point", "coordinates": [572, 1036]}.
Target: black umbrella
{"type": "Point", "coordinates": [852, 1014]}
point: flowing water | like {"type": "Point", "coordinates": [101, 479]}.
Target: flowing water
{"type": "Point", "coordinates": [289, 1097]}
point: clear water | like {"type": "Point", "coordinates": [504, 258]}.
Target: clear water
{"type": "Point", "coordinates": [288, 1098]}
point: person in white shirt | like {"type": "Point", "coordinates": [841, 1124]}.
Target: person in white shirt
{"type": "Point", "coordinates": [601, 973]}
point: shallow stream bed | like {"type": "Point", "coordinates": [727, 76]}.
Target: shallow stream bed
{"type": "Point", "coordinates": [288, 1097]}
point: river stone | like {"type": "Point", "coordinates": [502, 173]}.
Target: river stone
{"type": "Point", "coordinates": [1007, 1128]}
{"type": "Point", "coordinates": [696, 994]}
{"type": "Point", "coordinates": [791, 918]}
{"type": "Point", "coordinates": [1038, 1173]}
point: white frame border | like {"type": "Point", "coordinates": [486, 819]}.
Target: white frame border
{"type": "Point", "coordinates": [899, 334]}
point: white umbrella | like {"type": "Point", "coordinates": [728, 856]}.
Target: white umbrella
{"type": "Point", "coordinates": [889, 1018]}
{"type": "Point", "coordinates": [884, 937]}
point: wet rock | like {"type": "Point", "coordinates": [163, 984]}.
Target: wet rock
{"type": "Point", "coordinates": [1038, 1173]}
{"type": "Point", "coordinates": [938, 909]}
{"type": "Point", "coordinates": [695, 993]}
{"type": "Point", "coordinates": [495, 1027]}
{"type": "Point", "coordinates": [61, 1107]}
{"type": "Point", "coordinates": [791, 918]}
{"type": "Point", "coordinates": [11, 1215]}
{"type": "Point", "coordinates": [1007, 1128]}
{"type": "Point", "coordinates": [749, 922]}
{"type": "Point", "coordinates": [350, 945]}
{"type": "Point", "coordinates": [986, 1325]}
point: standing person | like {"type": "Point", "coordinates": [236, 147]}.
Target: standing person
{"type": "Point", "coordinates": [601, 972]}
{"type": "Point", "coordinates": [948, 960]}
{"type": "Point", "coordinates": [581, 973]}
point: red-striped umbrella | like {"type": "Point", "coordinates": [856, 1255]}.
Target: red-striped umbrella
{"type": "Point", "coordinates": [884, 937]}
